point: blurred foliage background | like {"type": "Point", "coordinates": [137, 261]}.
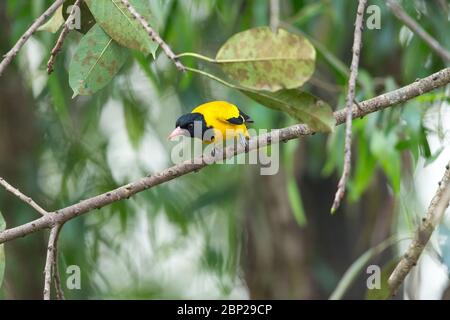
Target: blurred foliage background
{"type": "Point", "coordinates": [227, 231]}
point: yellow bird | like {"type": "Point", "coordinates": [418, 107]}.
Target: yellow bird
{"type": "Point", "coordinates": [214, 121]}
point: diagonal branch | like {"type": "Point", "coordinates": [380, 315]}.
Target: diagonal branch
{"type": "Point", "coordinates": [24, 38]}
{"type": "Point", "coordinates": [154, 35]}
{"type": "Point", "coordinates": [62, 36]}
{"type": "Point", "coordinates": [417, 88]}
{"type": "Point", "coordinates": [418, 30]}
{"type": "Point", "coordinates": [22, 197]}
{"type": "Point", "coordinates": [348, 104]}
{"type": "Point", "coordinates": [435, 212]}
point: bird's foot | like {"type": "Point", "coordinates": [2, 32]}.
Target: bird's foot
{"type": "Point", "coordinates": [244, 142]}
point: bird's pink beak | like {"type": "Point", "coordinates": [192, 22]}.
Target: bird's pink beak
{"type": "Point", "coordinates": [178, 132]}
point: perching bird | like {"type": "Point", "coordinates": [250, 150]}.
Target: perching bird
{"type": "Point", "coordinates": [214, 121]}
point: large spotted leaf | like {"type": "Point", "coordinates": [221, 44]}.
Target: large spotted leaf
{"type": "Point", "coordinates": [120, 25]}
{"type": "Point", "coordinates": [96, 60]}
{"type": "Point", "coordinates": [263, 60]}
{"type": "Point", "coordinates": [300, 105]}
{"type": "Point", "coordinates": [2, 250]}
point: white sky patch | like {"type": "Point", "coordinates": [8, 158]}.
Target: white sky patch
{"type": "Point", "coordinates": [121, 157]}
{"type": "Point", "coordinates": [30, 58]}
{"type": "Point", "coordinates": [152, 156]}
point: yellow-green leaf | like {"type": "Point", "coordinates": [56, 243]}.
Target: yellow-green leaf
{"type": "Point", "coordinates": [300, 105]}
{"type": "Point", "coordinates": [54, 23]}
{"type": "Point", "coordinates": [358, 265]}
{"type": "Point", "coordinates": [120, 25]}
{"type": "Point", "coordinates": [262, 60]}
{"type": "Point", "coordinates": [96, 60]}
{"type": "Point", "coordinates": [2, 251]}
{"type": "Point", "coordinates": [87, 20]}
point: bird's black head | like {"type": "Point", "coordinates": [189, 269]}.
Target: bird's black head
{"type": "Point", "coordinates": [190, 124]}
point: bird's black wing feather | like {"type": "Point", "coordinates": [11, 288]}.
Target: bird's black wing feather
{"type": "Point", "coordinates": [247, 119]}
{"type": "Point", "coordinates": [237, 120]}
{"type": "Point", "coordinates": [243, 118]}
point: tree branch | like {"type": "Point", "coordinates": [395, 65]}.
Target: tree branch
{"type": "Point", "coordinates": [39, 21]}
{"type": "Point", "coordinates": [154, 35]}
{"type": "Point", "coordinates": [22, 197]}
{"type": "Point", "coordinates": [49, 270]}
{"type": "Point", "coordinates": [419, 87]}
{"type": "Point", "coordinates": [418, 30]}
{"type": "Point", "coordinates": [348, 104]}
{"type": "Point", "coordinates": [435, 212]}
{"type": "Point", "coordinates": [62, 37]}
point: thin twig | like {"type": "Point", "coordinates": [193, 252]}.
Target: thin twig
{"type": "Point", "coordinates": [435, 212]}
{"type": "Point", "coordinates": [418, 30]}
{"type": "Point", "coordinates": [62, 36]}
{"type": "Point", "coordinates": [274, 15]}
{"type": "Point", "coordinates": [348, 103]}
{"type": "Point", "coordinates": [36, 24]}
{"type": "Point", "coordinates": [154, 35]}
{"type": "Point", "coordinates": [56, 274]}
{"type": "Point", "coordinates": [50, 260]}
{"type": "Point", "coordinates": [22, 197]}
{"type": "Point", "coordinates": [415, 89]}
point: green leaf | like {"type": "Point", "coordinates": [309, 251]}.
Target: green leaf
{"type": "Point", "coordinates": [262, 60]}
{"type": "Point", "coordinates": [295, 201]}
{"type": "Point", "coordinates": [54, 23]}
{"type": "Point", "coordinates": [300, 105]}
{"type": "Point", "coordinates": [96, 60]}
{"type": "Point", "coordinates": [58, 98]}
{"type": "Point", "coordinates": [120, 25]}
{"type": "Point", "coordinates": [364, 168]}
{"type": "Point", "coordinates": [433, 97]}
{"type": "Point", "coordinates": [2, 251]}
{"type": "Point", "coordinates": [308, 12]}
{"type": "Point", "coordinates": [87, 19]}
{"type": "Point", "coordinates": [293, 191]}
{"type": "Point", "coordinates": [384, 149]}
{"type": "Point", "coordinates": [335, 149]}
{"type": "Point", "coordinates": [384, 292]}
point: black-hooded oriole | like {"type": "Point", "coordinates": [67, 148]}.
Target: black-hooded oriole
{"type": "Point", "coordinates": [213, 122]}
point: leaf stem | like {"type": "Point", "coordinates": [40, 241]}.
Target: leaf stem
{"type": "Point", "coordinates": [196, 55]}
{"type": "Point", "coordinates": [219, 61]}
{"type": "Point", "coordinates": [209, 75]}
